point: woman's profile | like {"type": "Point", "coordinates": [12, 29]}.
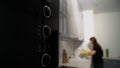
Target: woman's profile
{"type": "Point", "coordinates": [96, 53]}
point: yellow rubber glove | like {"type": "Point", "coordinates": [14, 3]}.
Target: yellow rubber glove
{"type": "Point", "coordinates": [85, 52]}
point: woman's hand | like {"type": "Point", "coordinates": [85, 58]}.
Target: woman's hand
{"type": "Point", "coordinates": [92, 52]}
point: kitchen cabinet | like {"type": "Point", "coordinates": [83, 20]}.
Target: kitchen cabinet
{"type": "Point", "coordinates": [63, 17]}
{"type": "Point", "coordinates": [71, 20]}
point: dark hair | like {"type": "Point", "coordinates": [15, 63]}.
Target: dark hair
{"type": "Point", "coordinates": [96, 44]}
{"type": "Point", "coordinates": [94, 40]}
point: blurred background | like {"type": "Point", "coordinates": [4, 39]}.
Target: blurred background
{"type": "Point", "coordinates": [82, 19]}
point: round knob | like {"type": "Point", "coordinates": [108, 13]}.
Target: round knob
{"type": "Point", "coordinates": [45, 61]}
{"type": "Point", "coordinates": [47, 11]}
{"type": "Point", "coordinates": [46, 31]}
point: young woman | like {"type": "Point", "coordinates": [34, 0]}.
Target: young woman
{"type": "Point", "coordinates": [97, 53]}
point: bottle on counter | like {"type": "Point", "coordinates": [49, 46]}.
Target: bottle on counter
{"type": "Point", "coordinates": [107, 52]}
{"type": "Point", "coordinates": [65, 57]}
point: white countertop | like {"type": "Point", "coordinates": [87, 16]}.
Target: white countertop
{"type": "Point", "coordinates": [79, 63]}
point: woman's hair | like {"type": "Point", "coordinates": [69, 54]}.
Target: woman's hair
{"type": "Point", "coordinates": [95, 43]}
{"type": "Point", "coordinates": [94, 40]}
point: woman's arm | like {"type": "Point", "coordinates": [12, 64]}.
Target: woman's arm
{"type": "Point", "coordinates": [92, 52]}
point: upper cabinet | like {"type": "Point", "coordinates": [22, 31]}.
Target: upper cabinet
{"type": "Point", "coordinates": [63, 17]}
{"type": "Point", "coordinates": [71, 20]}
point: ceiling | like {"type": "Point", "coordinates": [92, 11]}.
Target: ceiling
{"type": "Point", "coordinates": [100, 6]}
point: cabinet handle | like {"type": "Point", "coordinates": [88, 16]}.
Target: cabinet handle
{"type": "Point", "coordinates": [47, 11]}
{"type": "Point", "coordinates": [45, 60]}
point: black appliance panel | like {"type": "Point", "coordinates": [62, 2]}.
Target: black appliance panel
{"type": "Point", "coordinates": [50, 34]}
{"type": "Point", "coordinates": [24, 45]}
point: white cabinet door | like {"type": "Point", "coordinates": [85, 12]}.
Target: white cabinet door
{"type": "Point", "coordinates": [63, 17]}
{"type": "Point", "coordinates": [75, 20]}
{"type": "Point", "coordinates": [71, 20]}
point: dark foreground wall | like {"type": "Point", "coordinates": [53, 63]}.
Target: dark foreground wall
{"type": "Point", "coordinates": [29, 33]}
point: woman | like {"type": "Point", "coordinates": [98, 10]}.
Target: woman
{"type": "Point", "coordinates": [97, 53]}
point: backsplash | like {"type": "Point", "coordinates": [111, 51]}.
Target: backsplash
{"type": "Point", "coordinates": [70, 46]}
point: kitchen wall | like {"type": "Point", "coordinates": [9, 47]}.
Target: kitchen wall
{"type": "Point", "coordinates": [106, 28]}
